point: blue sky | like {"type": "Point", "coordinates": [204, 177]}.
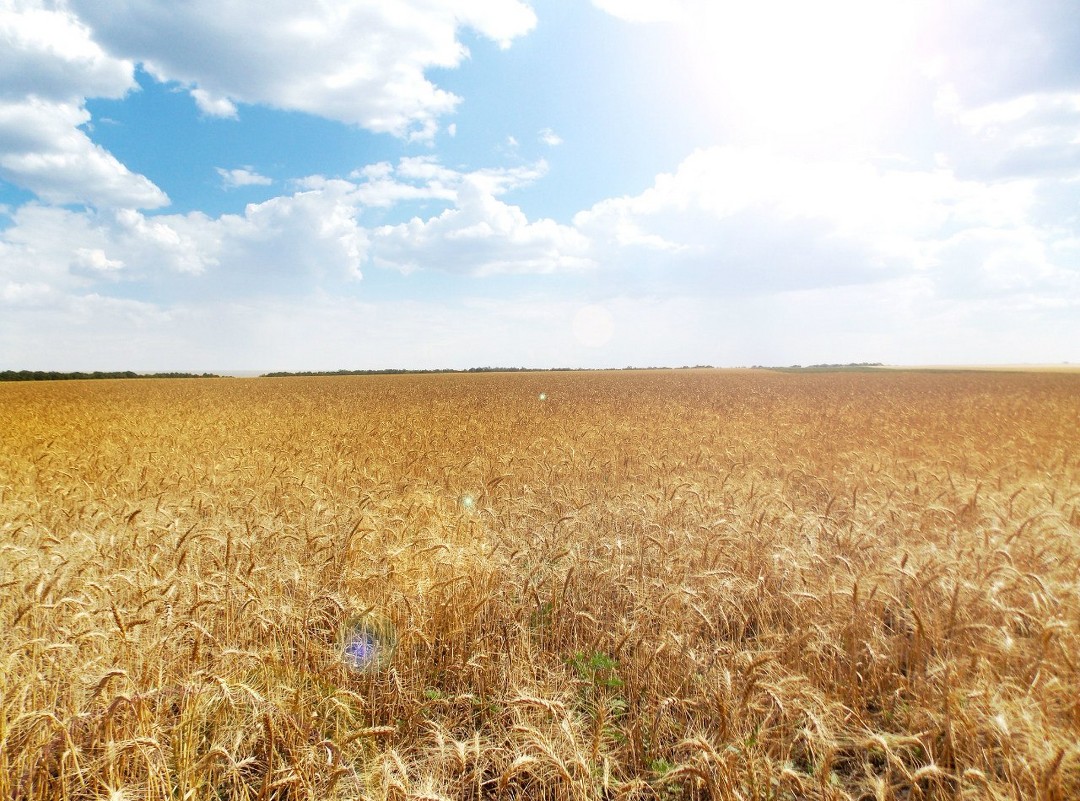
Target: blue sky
{"type": "Point", "coordinates": [236, 186]}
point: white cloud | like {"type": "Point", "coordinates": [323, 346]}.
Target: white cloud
{"type": "Point", "coordinates": [717, 262]}
{"type": "Point", "coordinates": [291, 244]}
{"type": "Point", "coordinates": [992, 52]}
{"type": "Point", "coordinates": [481, 235]}
{"type": "Point", "coordinates": [213, 106]}
{"type": "Point", "coordinates": [25, 295]}
{"type": "Point", "coordinates": [1028, 135]}
{"type": "Point", "coordinates": [295, 244]}
{"type": "Point", "coordinates": [737, 220]}
{"type": "Point", "coordinates": [95, 259]}
{"type": "Point", "coordinates": [71, 251]}
{"type": "Point", "coordinates": [478, 234]}
{"type": "Point", "coordinates": [50, 64]}
{"type": "Point", "coordinates": [499, 20]}
{"type": "Point", "coordinates": [502, 180]}
{"type": "Point", "coordinates": [550, 138]}
{"type": "Point", "coordinates": [242, 176]}
{"type": "Point", "coordinates": [360, 63]}
{"type": "Point", "coordinates": [1006, 262]}
{"type": "Point", "coordinates": [159, 245]}
{"type": "Point", "coordinates": [48, 54]}
{"type": "Point", "coordinates": [728, 220]}
{"type": "Point", "coordinates": [38, 247]}
{"type": "Point", "coordinates": [77, 171]}
{"type": "Point", "coordinates": [415, 178]}
{"type": "Point", "coordinates": [418, 178]}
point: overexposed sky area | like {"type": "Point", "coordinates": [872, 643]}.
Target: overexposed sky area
{"type": "Point", "coordinates": [354, 184]}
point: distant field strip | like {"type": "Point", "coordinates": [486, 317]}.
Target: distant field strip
{"type": "Point", "coordinates": [629, 585]}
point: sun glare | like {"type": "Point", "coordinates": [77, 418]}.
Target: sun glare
{"type": "Point", "coordinates": [805, 72]}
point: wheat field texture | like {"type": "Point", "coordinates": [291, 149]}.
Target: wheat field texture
{"type": "Point", "coordinates": [628, 585]}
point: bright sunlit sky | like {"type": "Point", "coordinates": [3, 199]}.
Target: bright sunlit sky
{"type": "Point", "coordinates": [227, 185]}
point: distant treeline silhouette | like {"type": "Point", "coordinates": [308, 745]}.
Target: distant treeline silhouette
{"type": "Point", "coordinates": [52, 375]}
{"type": "Point", "coordinates": [824, 367]}
{"type": "Point", "coordinates": [401, 371]}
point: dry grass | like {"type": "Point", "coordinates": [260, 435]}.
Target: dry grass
{"type": "Point", "coordinates": [730, 585]}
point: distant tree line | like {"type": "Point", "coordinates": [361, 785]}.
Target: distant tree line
{"type": "Point", "coordinates": [53, 375]}
{"type": "Point", "coordinates": [401, 371]}
{"type": "Point", "coordinates": [824, 367]}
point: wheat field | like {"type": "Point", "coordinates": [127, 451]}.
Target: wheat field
{"type": "Point", "coordinates": [627, 585]}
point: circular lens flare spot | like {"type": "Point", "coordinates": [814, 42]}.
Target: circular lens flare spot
{"type": "Point", "coordinates": [368, 643]}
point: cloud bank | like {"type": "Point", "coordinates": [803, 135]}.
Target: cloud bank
{"type": "Point", "coordinates": [360, 63]}
{"type": "Point", "coordinates": [50, 65]}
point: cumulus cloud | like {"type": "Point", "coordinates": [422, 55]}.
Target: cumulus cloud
{"type": "Point", "coordinates": [360, 63]}
{"type": "Point", "coordinates": [550, 138]}
{"type": "Point", "coordinates": [481, 235]}
{"type": "Point", "coordinates": [383, 185]}
{"type": "Point", "coordinates": [72, 251]}
{"type": "Point", "coordinates": [717, 250]}
{"type": "Point", "coordinates": [748, 221]}
{"type": "Point", "coordinates": [96, 260]}
{"type": "Point", "coordinates": [47, 53]}
{"type": "Point", "coordinates": [49, 65]}
{"type": "Point", "coordinates": [1031, 135]}
{"type": "Point", "coordinates": [478, 234]}
{"type": "Point", "coordinates": [43, 149]}
{"type": "Point", "coordinates": [294, 243]}
{"type": "Point", "coordinates": [727, 221]}
{"type": "Point", "coordinates": [991, 52]}
{"type": "Point", "coordinates": [291, 244]}
{"type": "Point", "coordinates": [38, 249]}
{"type": "Point", "coordinates": [242, 176]}
{"type": "Point", "coordinates": [311, 240]}
{"type": "Point", "coordinates": [213, 106]}
{"type": "Point", "coordinates": [751, 221]}
{"type": "Point", "coordinates": [878, 246]}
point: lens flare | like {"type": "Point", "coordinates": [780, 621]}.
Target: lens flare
{"type": "Point", "coordinates": [368, 643]}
